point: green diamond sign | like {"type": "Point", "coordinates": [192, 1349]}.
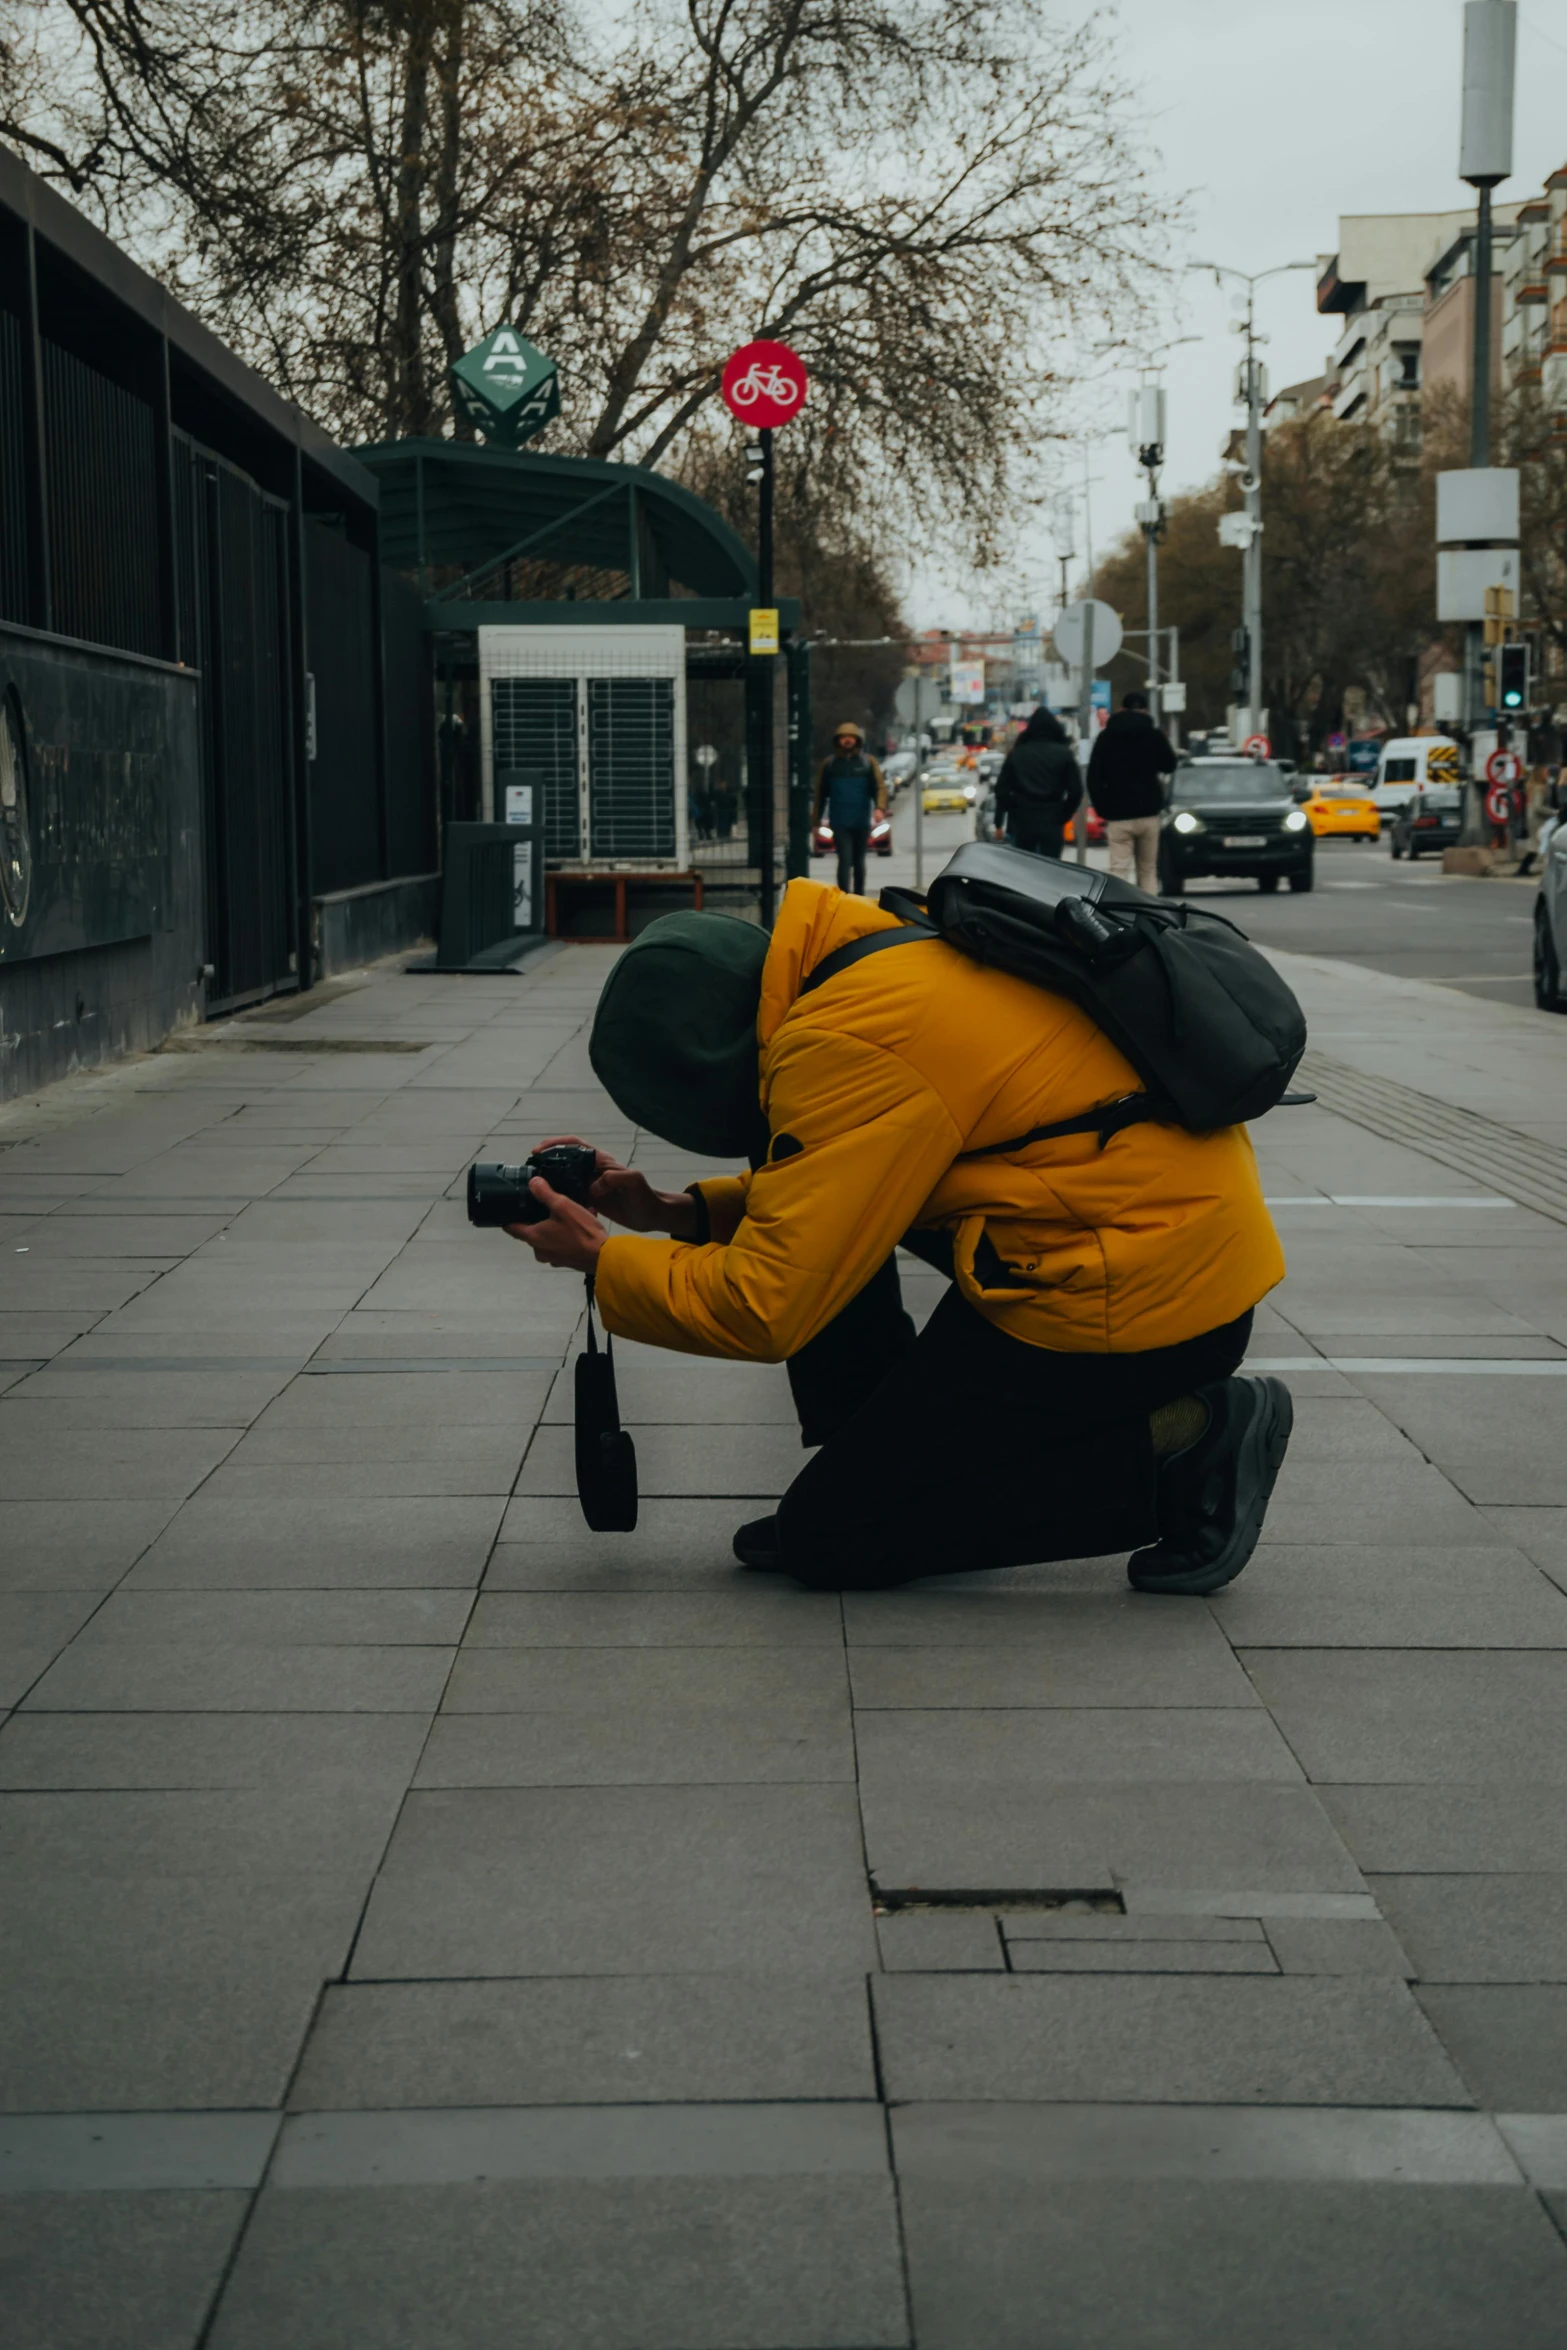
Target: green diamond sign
{"type": "Point", "coordinates": [506, 387]}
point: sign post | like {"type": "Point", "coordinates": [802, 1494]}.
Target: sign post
{"type": "Point", "coordinates": [764, 384]}
{"type": "Point", "coordinates": [1085, 634]}
{"type": "Point", "coordinates": [506, 387]}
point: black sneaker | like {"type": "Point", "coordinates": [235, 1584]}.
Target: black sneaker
{"type": "Point", "coordinates": [756, 1546]}
{"type": "Point", "coordinates": [1214, 1495]}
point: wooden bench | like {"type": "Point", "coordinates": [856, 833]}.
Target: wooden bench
{"type": "Point", "coordinates": [609, 890]}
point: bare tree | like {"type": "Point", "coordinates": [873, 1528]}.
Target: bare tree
{"type": "Point", "coordinates": [938, 201]}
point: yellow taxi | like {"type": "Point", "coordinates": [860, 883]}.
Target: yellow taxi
{"type": "Point", "coordinates": [953, 792]}
{"type": "Point", "coordinates": [1341, 807]}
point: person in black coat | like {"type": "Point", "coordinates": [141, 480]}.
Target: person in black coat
{"type": "Point", "coordinates": [1039, 787]}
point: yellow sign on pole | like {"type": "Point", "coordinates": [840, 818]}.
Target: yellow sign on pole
{"type": "Point", "coordinates": [764, 631]}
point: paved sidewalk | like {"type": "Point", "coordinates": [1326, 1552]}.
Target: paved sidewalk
{"type": "Point", "coordinates": [432, 1927]}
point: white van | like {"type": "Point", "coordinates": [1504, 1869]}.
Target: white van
{"type": "Point", "coordinates": [1408, 763]}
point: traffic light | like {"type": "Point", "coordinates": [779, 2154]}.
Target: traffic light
{"type": "Point", "coordinates": [1512, 663]}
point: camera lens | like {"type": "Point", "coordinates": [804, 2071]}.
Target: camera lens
{"type": "Point", "coordinates": [498, 1194]}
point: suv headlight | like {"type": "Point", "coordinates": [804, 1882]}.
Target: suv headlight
{"type": "Point", "coordinates": [1187, 822]}
{"type": "Point", "coordinates": [1297, 820]}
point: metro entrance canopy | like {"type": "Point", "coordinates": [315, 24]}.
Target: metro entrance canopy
{"type": "Point", "coordinates": [461, 515]}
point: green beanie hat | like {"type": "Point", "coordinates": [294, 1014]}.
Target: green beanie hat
{"type": "Point", "coordinates": [674, 1042]}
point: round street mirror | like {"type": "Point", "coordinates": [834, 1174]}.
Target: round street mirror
{"type": "Point", "coordinates": [705, 755]}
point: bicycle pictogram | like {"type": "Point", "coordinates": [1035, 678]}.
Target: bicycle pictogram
{"type": "Point", "coordinates": [764, 383]}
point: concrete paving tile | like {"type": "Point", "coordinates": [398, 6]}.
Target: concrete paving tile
{"type": "Point", "coordinates": [1404, 1596]}
{"type": "Point", "coordinates": [423, 1407]}
{"type": "Point", "coordinates": [1070, 1745]}
{"type": "Point", "coordinates": [121, 1677]}
{"type": "Point", "coordinates": [1211, 2144]}
{"type": "Point", "coordinates": [114, 2271]}
{"type": "Point", "coordinates": [276, 1446]}
{"type": "Point", "coordinates": [605, 2040]}
{"type": "Point", "coordinates": [684, 1746]}
{"type": "Point", "coordinates": [1151, 2039]}
{"type": "Point", "coordinates": [167, 1238]}
{"type": "Point", "coordinates": [322, 1752]}
{"type": "Point", "coordinates": [683, 1391]}
{"type": "Point", "coordinates": [1491, 1929]}
{"type": "Point", "coordinates": [70, 1285]}
{"type": "Point", "coordinates": [754, 1611]}
{"type": "Point", "coordinates": [1460, 1716]}
{"type": "Point", "coordinates": [486, 2144]}
{"type": "Point", "coordinates": [35, 1337]}
{"type": "Point", "coordinates": [133, 1463]}
{"type": "Point", "coordinates": [418, 1475]}
{"type": "Point", "coordinates": [169, 1993]}
{"type": "Point", "coordinates": [60, 1400]}
{"type": "Point", "coordinates": [1509, 2041]}
{"type": "Point", "coordinates": [644, 1880]}
{"type": "Point", "coordinates": [1489, 1830]}
{"type": "Point", "coordinates": [1083, 1631]}
{"type": "Point", "coordinates": [1337, 1946]}
{"type": "Point", "coordinates": [940, 1941]}
{"type": "Point", "coordinates": [1266, 1836]}
{"type": "Point", "coordinates": [40, 1622]}
{"type": "Point", "coordinates": [100, 2153]}
{"type": "Point", "coordinates": [756, 1462]}
{"type": "Point", "coordinates": [228, 1833]}
{"type": "Point", "coordinates": [621, 1683]}
{"type": "Point", "coordinates": [1347, 1430]}
{"type": "Point", "coordinates": [1106, 1655]}
{"type": "Point", "coordinates": [667, 1533]}
{"type": "Point", "coordinates": [1511, 1479]}
{"type": "Point", "coordinates": [596, 1563]}
{"type": "Point", "coordinates": [281, 1619]}
{"type": "Point", "coordinates": [422, 1540]}
{"type": "Point", "coordinates": [1069, 1924]}
{"type": "Point", "coordinates": [648, 2264]}
{"type": "Point", "coordinates": [77, 1545]}
{"type": "Point", "coordinates": [1178, 2267]}
{"type": "Point", "coordinates": [1444, 1519]}
{"type": "Point", "coordinates": [1141, 1958]}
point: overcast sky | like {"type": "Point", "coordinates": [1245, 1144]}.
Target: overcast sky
{"type": "Point", "coordinates": [1275, 119]}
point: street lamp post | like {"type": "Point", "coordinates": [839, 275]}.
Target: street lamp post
{"type": "Point", "coordinates": [1146, 421]}
{"type": "Point", "coordinates": [1253, 391]}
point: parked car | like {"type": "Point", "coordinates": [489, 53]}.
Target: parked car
{"type": "Point", "coordinates": [1427, 820]}
{"type": "Point", "coordinates": [897, 767]}
{"type": "Point", "coordinates": [1341, 807]}
{"type": "Point", "coordinates": [1550, 924]}
{"type": "Point", "coordinates": [1234, 817]}
{"type": "Point", "coordinates": [879, 844]}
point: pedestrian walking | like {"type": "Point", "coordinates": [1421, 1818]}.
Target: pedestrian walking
{"type": "Point", "coordinates": [1126, 772]}
{"type": "Point", "coordinates": [724, 807]}
{"type": "Point", "coordinates": [1040, 786]}
{"type": "Point", "coordinates": [850, 789]}
{"type": "Point", "coordinates": [1536, 811]}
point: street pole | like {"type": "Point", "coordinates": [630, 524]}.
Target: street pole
{"type": "Point", "coordinates": [765, 748]}
{"type": "Point", "coordinates": [1152, 533]}
{"type": "Point", "coordinates": [1085, 721]}
{"type": "Point", "coordinates": [919, 782]}
{"type": "Point", "coordinates": [1253, 558]}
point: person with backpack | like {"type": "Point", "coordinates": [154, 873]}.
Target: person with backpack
{"type": "Point", "coordinates": [1039, 788]}
{"type": "Point", "coordinates": [1103, 1271]}
{"type": "Point", "coordinates": [1126, 776]}
{"type": "Point", "coordinates": [852, 790]}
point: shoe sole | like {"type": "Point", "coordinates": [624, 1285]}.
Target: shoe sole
{"type": "Point", "coordinates": [1263, 1447]}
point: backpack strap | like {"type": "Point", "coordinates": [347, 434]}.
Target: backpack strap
{"type": "Point", "coordinates": [842, 958]}
{"type": "Point", "coordinates": [1133, 1109]}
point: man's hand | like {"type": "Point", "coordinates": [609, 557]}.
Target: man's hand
{"type": "Point", "coordinates": [567, 1236]}
{"type": "Point", "coordinates": [626, 1197]}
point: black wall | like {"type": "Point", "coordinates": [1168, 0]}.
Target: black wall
{"type": "Point", "coordinates": [107, 959]}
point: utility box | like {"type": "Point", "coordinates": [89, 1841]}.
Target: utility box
{"type": "Point", "coordinates": [492, 895]}
{"type": "Point", "coordinates": [1477, 505]}
{"type": "Point", "coordinates": [593, 720]}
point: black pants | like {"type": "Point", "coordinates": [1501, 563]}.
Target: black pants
{"type": "Point", "coordinates": [962, 1448]}
{"type": "Point", "coordinates": [851, 840]}
{"type": "Point", "coordinates": [1042, 840]}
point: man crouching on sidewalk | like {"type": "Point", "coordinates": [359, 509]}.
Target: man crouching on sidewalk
{"type": "Point", "coordinates": [1101, 1298]}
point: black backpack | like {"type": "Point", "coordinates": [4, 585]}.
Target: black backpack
{"type": "Point", "coordinates": [1204, 1019]}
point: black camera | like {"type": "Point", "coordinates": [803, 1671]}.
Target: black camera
{"type": "Point", "coordinates": [498, 1194]}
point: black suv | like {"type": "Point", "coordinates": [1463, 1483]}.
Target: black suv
{"type": "Point", "coordinates": [1234, 817]}
{"type": "Point", "coordinates": [1427, 820]}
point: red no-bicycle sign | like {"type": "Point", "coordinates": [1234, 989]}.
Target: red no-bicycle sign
{"type": "Point", "coordinates": [765, 383]}
{"type": "Point", "coordinates": [1504, 767]}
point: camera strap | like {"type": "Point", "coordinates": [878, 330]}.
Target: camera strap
{"type": "Point", "coordinates": [606, 1458]}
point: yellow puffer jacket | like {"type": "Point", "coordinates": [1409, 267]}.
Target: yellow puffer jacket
{"type": "Point", "coordinates": [873, 1085]}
